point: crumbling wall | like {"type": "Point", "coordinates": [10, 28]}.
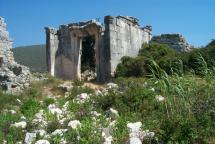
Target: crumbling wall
{"type": "Point", "coordinates": [175, 41]}
{"type": "Point", "coordinates": [64, 58]}
{"type": "Point", "coordinates": [126, 38]}
{"type": "Point", "coordinates": [121, 36]}
{"type": "Point", "coordinates": [13, 77]}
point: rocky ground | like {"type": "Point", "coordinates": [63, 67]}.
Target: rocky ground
{"type": "Point", "coordinates": [66, 113]}
{"type": "Point", "coordinates": [131, 110]}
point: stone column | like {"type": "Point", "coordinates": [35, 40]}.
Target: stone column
{"type": "Point", "coordinates": [79, 48]}
{"type": "Point", "coordinates": [51, 48]}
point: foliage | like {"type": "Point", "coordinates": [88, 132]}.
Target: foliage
{"type": "Point", "coordinates": [86, 134]}
{"type": "Point", "coordinates": [30, 107]}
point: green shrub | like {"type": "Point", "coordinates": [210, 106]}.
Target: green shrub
{"type": "Point", "coordinates": [130, 67]}
{"type": "Point", "coordinates": [86, 134]}
{"type": "Point", "coordinates": [7, 100]}
{"type": "Point", "coordinates": [76, 90]}
{"type": "Point", "coordinates": [48, 101]}
{"type": "Point", "coordinates": [53, 125]}
{"type": "Point", "coordinates": [6, 120]}
{"type": "Point", "coordinates": [15, 135]}
{"type": "Point", "coordinates": [30, 107]}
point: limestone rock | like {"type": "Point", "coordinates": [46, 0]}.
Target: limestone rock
{"type": "Point", "coordinates": [55, 110]}
{"type": "Point", "coordinates": [134, 140]}
{"type": "Point", "coordinates": [59, 132]}
{"type": "Point", "coordinates": [88, 75]}
{"type": "Point", "coordinates": [30, 137]}
{"type": "Point", "coordinates": [42, 142]}
{"type": "Point", "coordinates": [22, 124]}
{"type": "Point", "coordinates": [134, 132]}
{"type": "Point", "coordinates": [74, 124]}
{"type": "Point", "coordinates": [175, 41]}
{"type": "Point", "coordinates": [13, 77]}
{"type": "Point", "coordinates": [113, 114]}
{"type": "Point", "coordinates": [66, 86]}
{"type": "Point", "coordinates": [41, 132]}
{"type": "Point", "coordinates": [112, 86]}
{"type": "Point", "coordinates": [81, 98]}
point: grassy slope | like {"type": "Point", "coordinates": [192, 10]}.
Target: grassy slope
{"type": "Point", "coordinates": [32, 56]}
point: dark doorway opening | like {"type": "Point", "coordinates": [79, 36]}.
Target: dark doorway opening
{"type": "Point", "coordinates": [88, 60]}
{"type": "Point", "coordinates": [1, 61]}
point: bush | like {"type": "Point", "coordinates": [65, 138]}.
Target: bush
{"type": "Point", "coordinates": [7, 100]}
{"type": "Point", "coordinates": [30, 107]}
{"type": "Point", "coordinates": [86, 134]}
{"type": "Point", "coordinates": [130, 67]}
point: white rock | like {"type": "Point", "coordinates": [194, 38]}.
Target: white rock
{"type": "Point", "coordinates": [66, 86]}
{"type": "Point", "coordinates": [30, 137]}
{"type": "Point", "coordinates": [112, 86]}
{"type": "Point", "coordinates": [55, 110]}
{"type": "Point", "coordinates": [59, 132]}
{"type": "Point", "coordinates": [82, 97]}
{"type": "Point", "coordinates": [95, 113]}
{"type": "Point", "coordinates": [146, 134]}
{"type": "Point", "coordinates": [39, 119]}
{"type": "Point", "coordinates": [42, 142]}
{"type": "Point", "coordinates": [40, 132]}
{"type": "Point", "coordinates": [113, 113]}
{"type": "Point", "coordinates": [66, 95]}
{"type": "Point", "coordinates": [134, 140]}
{"type": "Point", "coordinates": [74, 124]}
{"type": "Point", "coordinates": [98, 92]}
{"type": "Point", "coordinates": [134, 127]}
{"type": "Point", "coordinates": [134, 133]}
{"type": "Point", "coordinates": [12, 111]}
{"type": "Point", "coordinates": [22, 124]}
{"type": "Point", "coordinates": [39, 115]}
{"type": "Point", "coordinates": [19, 101]}
{"type": "Point", "coordinates": [159, 98]}
{"type": "Point", "coordinates": [107, 136]}
{"type": "Point", "coordinates": [62, 121]}
{"type": "Point", "coordinates": [65, 106]}
{"type": "Point", "coordinates": [108, 140]}
{"type": "Point", "coordinates": [152, 89]}
{"type": "Point", "coordinates": [63, 141]}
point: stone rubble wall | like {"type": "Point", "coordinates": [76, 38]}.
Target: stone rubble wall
{"type": "Point", "coordinates": [175, 41]}
{"type": "Point", "coordinates": [13, 77]}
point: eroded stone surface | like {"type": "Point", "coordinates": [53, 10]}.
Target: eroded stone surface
{"type": "Point", "coordinates": [175, 41]}
{"type": "Point", "coordinates": [13, 77]}
{"type": "Point", "coordinates": [120, 36]}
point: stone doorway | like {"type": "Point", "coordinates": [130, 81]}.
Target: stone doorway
{"type": "Point", "coordinates": [88, 58]}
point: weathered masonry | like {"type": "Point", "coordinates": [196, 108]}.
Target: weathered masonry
{"type": "Point", "coordinates": [13, 77]}
{"type": "Point", "coordinates": [119, 36]}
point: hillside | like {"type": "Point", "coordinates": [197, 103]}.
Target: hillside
{"type": "Point", "coordinates": [32, 56]}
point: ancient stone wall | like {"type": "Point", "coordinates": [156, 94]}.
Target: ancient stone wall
{"type": "Point", "coordinates": [126, 38]}
{"type": "Point", "coordinates": [13, 77]}
{"type": "Point", "coordinates": [120, 36]}
{"type": "Point", "coordinates": [175, 41]}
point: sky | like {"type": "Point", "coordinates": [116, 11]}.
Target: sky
{"type": "Point", "coordinates": [26, 19]}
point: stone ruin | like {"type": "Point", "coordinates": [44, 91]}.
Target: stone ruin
{"type": "Point", "coordinates": [109, 42]}
{"type": "Point", "coordinates": [175, 41]}
{"type": "Point", "coordinates": [13, 77]}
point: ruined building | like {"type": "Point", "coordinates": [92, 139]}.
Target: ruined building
{"type": "Point", "coordinates": [104, 44]}
{"type": "Point", "coordinates": [13, 77]}
{"type": "Point", "coordinates": [175, 41]}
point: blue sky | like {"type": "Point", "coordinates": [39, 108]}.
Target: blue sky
{"type": "Point", "coordinates": [26, 19]}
